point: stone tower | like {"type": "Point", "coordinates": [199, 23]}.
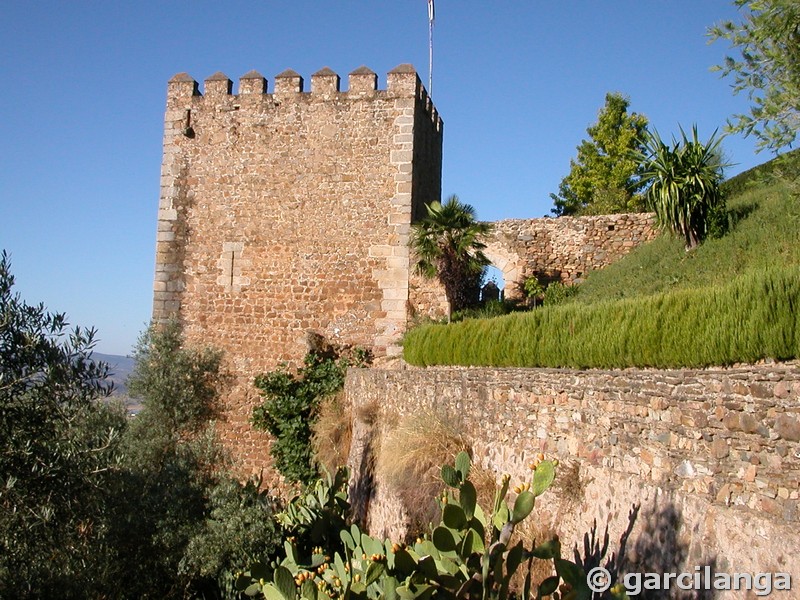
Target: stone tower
{"type": "Point", "coordinates": [288, 212]}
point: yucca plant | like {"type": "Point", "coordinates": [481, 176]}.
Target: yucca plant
{"type": "Point", "coordinates": [449, 246]}
{"type": "Point", "coordinates": [683, 182]}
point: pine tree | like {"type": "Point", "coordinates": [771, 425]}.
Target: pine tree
{"type": "Point", "coordinates": [604, 178]}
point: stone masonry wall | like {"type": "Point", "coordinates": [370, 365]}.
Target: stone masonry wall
{"type": "Point", "coordinates": [289, 212]}
{"type": "Point", "coordinates": [561, 249]}
{"type": "Point", "coordinates": [707, 462]}
{"type": "Point", "coordinates": [564, 249]}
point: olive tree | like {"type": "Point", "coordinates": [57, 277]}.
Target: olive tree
{"type": "Point", "coordinates": [767, 69]}
{"type": "Point", "coordinates": [59, 447]}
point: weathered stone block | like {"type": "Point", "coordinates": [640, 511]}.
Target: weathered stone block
{"type": "Point", "coordinates": [788, 427]}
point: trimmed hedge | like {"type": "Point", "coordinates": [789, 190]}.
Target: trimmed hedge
{"type": "Point", "coordinates": [753, 317]}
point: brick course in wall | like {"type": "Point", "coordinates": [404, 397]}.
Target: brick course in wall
{"type": "Point", "coordinates": [720, 447]}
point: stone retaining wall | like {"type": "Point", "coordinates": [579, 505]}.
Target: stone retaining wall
{"type": "Point", "coordinates": [709, 459]}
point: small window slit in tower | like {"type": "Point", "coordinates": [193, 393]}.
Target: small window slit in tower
{"type": "Point", "coordinates": [187, 124]}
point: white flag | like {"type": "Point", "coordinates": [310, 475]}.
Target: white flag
{"type": "Point", "coordinates": [431, 14]}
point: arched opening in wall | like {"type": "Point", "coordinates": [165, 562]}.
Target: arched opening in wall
{"type": "Point", "coordinates": [493, 284]}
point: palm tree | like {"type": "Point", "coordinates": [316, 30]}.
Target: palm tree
{"type": "Point", "coordinates": [683, 182]}
{"type": "Point", "coordinates": [448, 245]}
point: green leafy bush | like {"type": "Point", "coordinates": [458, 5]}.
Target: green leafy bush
{"type": "Point", "coordinates": [290, 407]}
{"type": "Point", "coordinates": [182, 522]}
{"type": "Point", "coordinates": [533, 290]}
{"type": "Point", "coordinates": [94, 505]}
{"type": "Point", "coordinates": [748, 319]}
{"type": "Point", "coordinates": [558, 293]}
{"type": "Point", "coordinates": [180, 385]}
{"type": "Point", "coordinates": [239, 528]}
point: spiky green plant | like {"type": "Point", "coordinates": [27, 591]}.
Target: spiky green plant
{"type": "Point", "coordinates": [449, 246]}
{"type": "Point", "coordinates": [683, 183]}
{"type": "Point", "coordinates": [470, 555]}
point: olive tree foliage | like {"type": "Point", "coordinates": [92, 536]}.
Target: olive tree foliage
{"type": "Point", "coordinates": [94, 504]}
{"type": "Point", "coordinates": [179, 384]}
{"type": "Point", "coordinates": [448, 244]}
{"type": "Point", "coordinates": [182, 521]}
{"type": "Point", "coordinates": [767, 69]}
{"type": "Point", "coordinates": [59, 450]}
{"type": "Point", "coordinates": [604, 177]}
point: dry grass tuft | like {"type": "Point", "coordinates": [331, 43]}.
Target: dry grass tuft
{"type": "Point", "coordinates": [410, 462]}
{"type": "Point", "coordinates": [568, 485]}
{"type": "Point", "coordinates": [369, 413]}
{"type": "Point", "coordinates": [332, 433]}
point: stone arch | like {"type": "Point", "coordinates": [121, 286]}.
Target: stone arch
{"type": "Point", "coordinates": [509, 264]}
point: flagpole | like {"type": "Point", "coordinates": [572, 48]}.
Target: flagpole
{"type": "Point", "coordinates": [431, 16]}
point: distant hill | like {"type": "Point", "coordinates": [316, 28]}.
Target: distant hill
{"type": "Point", "coordinates": [119, 368]}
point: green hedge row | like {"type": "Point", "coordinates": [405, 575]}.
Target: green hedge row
{"type": "Point", "coordinates": [753, 317]}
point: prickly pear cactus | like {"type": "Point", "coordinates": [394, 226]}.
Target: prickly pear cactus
{"type": "Point", "coordinates": [469, 555]}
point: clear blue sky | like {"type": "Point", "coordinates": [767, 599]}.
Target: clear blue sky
{"type": "Point", "coordinates": [516, 82]}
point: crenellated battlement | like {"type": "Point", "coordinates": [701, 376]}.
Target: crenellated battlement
{"type": "Point", "coordinates": [183, 91]}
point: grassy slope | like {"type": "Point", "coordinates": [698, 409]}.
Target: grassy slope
{"type": "Point", "coordinates": [765, 232]}
{"type": "Point", "coordinates": [732, 299]}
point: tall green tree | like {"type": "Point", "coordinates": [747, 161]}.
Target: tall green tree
{"type": "Point", "coordinates": [448, 243]}
{"type": "Point", "coordinates": [683, 182]}
{"type": "Point", "coordinates": [604, 178]}
{"type": "Point", "coordinates": [96, 505]}
{"type": "Point", "coordinates": [767, 69]}
{"type": "Point", "coordinates": [182, 522]}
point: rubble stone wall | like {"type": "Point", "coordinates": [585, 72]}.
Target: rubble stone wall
{"type": "Point", "coordinates": [708, 461]}
{"type": "Point", "coordinates": [564, 249]}
{"type": "Point", "coordinates": [561, 249]}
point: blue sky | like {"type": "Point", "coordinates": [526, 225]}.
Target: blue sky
{"type": "Point", "coordinates": [516, 82]}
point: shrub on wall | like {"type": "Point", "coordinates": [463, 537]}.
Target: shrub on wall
{"type": "Point", "coordinates": [748, 319]}
{"type": "Point", "coordinates": [291, 405]}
